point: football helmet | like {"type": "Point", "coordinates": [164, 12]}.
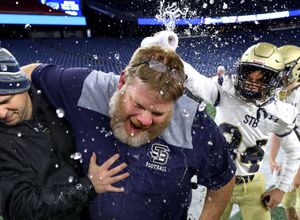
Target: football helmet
{"type": "Point", "coordinates": [259, 71]}
{"type": "Point", "coordinates": [291, 59]}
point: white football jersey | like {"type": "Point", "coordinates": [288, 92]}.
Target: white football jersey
{"type": "Point", "coordinates": [292, 140]}
{"type": "Point", "coordinates": [246, 127]}
{"type": "Point", "coordinates": [294, 99]}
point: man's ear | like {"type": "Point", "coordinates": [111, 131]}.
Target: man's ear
{"type": "Point", "coordinates": [122, 80]}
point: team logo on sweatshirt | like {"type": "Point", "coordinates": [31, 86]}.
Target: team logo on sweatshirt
{"type": "Point", "coordinates": [159, 155]}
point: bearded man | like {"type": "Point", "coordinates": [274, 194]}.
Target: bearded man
{"type": "Point", "coordinates": [143, 116]}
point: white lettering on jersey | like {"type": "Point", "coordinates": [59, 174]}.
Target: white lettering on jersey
{"type": "Point", "coordinates": [159, 155]}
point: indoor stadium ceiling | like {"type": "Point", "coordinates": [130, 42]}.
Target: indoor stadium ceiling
{"type": "Point", "coordinates": [131, 9]}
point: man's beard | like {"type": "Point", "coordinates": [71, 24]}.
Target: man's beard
{"type": "Point", "coordinates": [118, 117]}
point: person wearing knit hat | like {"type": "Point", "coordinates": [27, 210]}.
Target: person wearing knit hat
{"type": "Point", "coordinates": [39, 177]}
{"type": "Point", "coordinates": [12, 79]}
{"type": "Point", "coordinates": [15, 102]}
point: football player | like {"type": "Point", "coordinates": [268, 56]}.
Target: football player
{"type": "Point", "coordinates": [289, 93]}
{"type": "Point", "coordinates": [247, 113]}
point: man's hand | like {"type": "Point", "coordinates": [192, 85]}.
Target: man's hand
{"type": "Point", "coordinates": [102, 177]}
{"type": "Point", "coordinates": [272, 198]}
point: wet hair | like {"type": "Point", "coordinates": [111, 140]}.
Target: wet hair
{"type": "Point", "coordinates": [168, 84]}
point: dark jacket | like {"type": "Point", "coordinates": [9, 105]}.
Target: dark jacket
{"type": "Point", "coordinates": [38, 177]}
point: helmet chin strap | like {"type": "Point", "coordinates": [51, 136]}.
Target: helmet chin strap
{"type": "Point", "coordinates": [260, 103]}
{"type": "Point", "coordinates": [262, 111]}
{"type": "Point", "coordinates": [257, 102]}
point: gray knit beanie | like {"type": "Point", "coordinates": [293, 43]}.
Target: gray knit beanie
{"type": "Point", "coordinates": [12, 79]}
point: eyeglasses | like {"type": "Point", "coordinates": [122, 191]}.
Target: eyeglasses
{"type": "Point", "coordinates": [162, 68]}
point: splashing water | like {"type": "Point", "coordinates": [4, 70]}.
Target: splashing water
{"type": "Point", "coordinates": [60, 112]}
{"type": "Point", "coordinates": [168, 14]}
{"type": "Point", "coordinates": [70, 179]}
{"type": "Point", "coordinates": [27, 26]}
{"type": "Point", "coordinates": [186, 113]}
{"type": "Point", "coordinates": [76, 156]}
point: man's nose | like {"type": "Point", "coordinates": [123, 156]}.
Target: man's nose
{"type": "Point", "coordinates": [145, 118]}
{"type": "Point", "coordinates": [3, 112]}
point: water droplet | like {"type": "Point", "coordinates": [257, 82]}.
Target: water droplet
{"type": "Point", "coordinates": [56, 165]}
{"type": "Point", "coordinates": [19, 134]}
{"type": "Point", "coordinates": [27, 26]}
{"type": "Point", "coordinates": [186, 113]}
{"type": "Point", "coordinates": [70, 179]}
{"type": "Point", "coordinates": [60, 112]}
{"type": "Point", "coordinates": [76, 156]}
